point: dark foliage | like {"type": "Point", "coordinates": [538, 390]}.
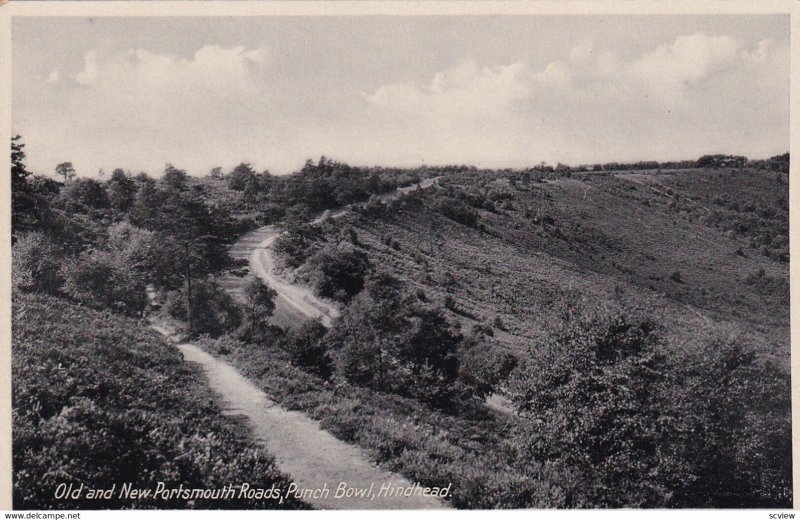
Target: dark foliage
{"type": "Point", "coordinates": [211, 310]}
{"type": "Point", "coordinates": [101, 401]}
{"type": "Point", "coordinates": [338, 271]}
{"type": "Point", "coordinates": [639, 429]}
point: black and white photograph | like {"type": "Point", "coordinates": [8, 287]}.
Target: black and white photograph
{"type": "Point", "coordinates": [450, 261]}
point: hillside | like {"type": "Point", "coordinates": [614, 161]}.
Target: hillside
{"type": "Point", "coordinates": [100, 401]}
{"type": "Point", "coordinates": [635, 322]}
{"type": "Point", "coordinates": [668, 241]}
{"type": "Point", "coordinates": [534, 338]}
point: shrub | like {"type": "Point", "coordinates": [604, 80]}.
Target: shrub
{"type": "Point", "coordinates": [338, 271]}
{"type": "Point", "coordinates": [36, 264]}
{"type": "Point", "coordinates": [213, 311]}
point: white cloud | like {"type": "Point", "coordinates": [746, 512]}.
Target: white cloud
{"type": "Point", "coordinates": [463, 90]}
{"type": "Point", "coordinates": [696, 94]}
{"type": "Point", "coordinates": [217, 105]}
{"type": "Point", "coordinates": [175, 109]}
{"type": "Point", "coordinates": [689, 59]}
{"type": "Point", "coordinates": [54, 76]}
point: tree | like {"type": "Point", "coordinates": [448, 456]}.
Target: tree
{"type": "Point", "coordinates": [259, 306]}
{"type": "Point", "coordinates": [387, 341]}
{"type": "Point", "coordinates": [174, 178]}
{"type": "Point", "coordinates": [23, 215]}
{"type": "Point", "coordinates": [121, 191]}
{"type": "Point", "coordinates": [239, 177]}
{"type": "Point", "coordinates": [85, 194]}
{"type": "Point", "coordinates": [66, 171]}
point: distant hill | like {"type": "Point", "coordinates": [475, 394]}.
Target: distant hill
{"type": "Point", "coordinates": [703, 247]}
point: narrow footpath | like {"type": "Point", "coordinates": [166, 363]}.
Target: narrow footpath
{"type": "Point", "coordinates": [313, 458]}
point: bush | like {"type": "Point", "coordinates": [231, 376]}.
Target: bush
{"type": "Point", "coordinates": [338, 271]}
{"type": "Point", "coordinates": [36, 264]}
{"type": "Point", "coordinates": [213, 311]}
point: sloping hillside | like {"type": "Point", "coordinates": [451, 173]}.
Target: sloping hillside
{"type": "Point", "coordinates": [100, 401]}
{"type": "Point", "coordinates": [538, 245]}
{"type": "Point", "coordinates": [641, 339]}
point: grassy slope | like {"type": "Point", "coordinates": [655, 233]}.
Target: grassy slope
{"type": "Point", "coordinates": [100, 399]}
{"type": "Point", "coordinates": [520, 268]}
{"type": "Point", "coordinates": [608, 238]}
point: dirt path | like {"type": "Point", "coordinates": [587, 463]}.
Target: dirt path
{"type": "Point", "coordinates": [312, 457]}
{"type": "Point", "coordinates": [295, 303]}
{"type": "Point", "coordinates": [296, 299]}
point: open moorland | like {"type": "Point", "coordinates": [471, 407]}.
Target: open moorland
{"type": "Point", "coordinates": [607, 336]}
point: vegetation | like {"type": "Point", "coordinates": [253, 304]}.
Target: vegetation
{"type": "Point", "coordinates": [636, 319]}
{"type": "Point", "coordinates": [101, 401]}
{"type": "Point", "coordinates": [631, 426]}
{"type": "Point", "coordinates": [612, 408]}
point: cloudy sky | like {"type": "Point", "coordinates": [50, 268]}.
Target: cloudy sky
{"type": "Point", "coordinates": [489, 91]}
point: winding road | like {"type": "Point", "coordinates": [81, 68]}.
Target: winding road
{"type": "Point", "coordinates": [313, 458]}
{"type": "Point", "coordinates": [296, 303]}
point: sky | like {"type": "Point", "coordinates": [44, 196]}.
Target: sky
{"type": "Point", "coordinates": [491, 91]}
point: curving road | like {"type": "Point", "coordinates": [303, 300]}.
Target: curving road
{"type": "Point", "coordinates": [313, 458]}
{"type": "Point", "coordinates": [295, 303]}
